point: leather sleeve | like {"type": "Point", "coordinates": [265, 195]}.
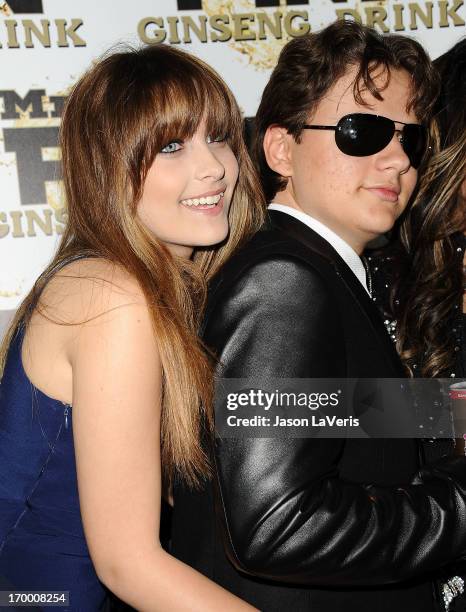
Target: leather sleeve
{"type": "Point", "coordinates": [285, 512]}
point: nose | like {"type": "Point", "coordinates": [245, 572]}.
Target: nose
{"type": "Point", "coordinates": [394, 156]}
{"type": "Point", "coordinates": [209, 165]}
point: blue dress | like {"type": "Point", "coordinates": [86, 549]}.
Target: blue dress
{"type": "Point", "coordinates": [42, 543]}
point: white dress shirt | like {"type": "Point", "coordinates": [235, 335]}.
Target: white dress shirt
{"type": "Point", "coordinates": [348, 254]}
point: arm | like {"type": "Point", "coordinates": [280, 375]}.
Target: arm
{"type": "Point", "coordinates": [116, 420]}
{"type": "Point", "coordinates": [286, 513]}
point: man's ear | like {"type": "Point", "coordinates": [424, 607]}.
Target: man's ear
{"type": "Point", "coordinates": [277, 150]}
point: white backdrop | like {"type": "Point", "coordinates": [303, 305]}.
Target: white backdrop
{"type": "Point", "coordinates": [47, 44]}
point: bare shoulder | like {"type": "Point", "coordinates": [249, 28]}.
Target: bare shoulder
{"type": "Point", "coordinates": [90, 309]}
{"type": "Point", "coordinates": [87, 289]}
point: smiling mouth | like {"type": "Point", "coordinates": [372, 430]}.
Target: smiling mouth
{"type": "Point", "coordinates": [204, 202]}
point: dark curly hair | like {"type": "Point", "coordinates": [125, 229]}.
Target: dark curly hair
{"type": "Point", "coordinates": [430, 277]}
{"type": "Point", "coordinates": [308, 66]}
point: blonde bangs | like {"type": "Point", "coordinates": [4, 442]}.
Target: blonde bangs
{"type": "Point", "coordinates": [183, 100]}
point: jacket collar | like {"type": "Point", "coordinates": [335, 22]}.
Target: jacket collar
{"type": "Point", "coordinates": [305, 235]}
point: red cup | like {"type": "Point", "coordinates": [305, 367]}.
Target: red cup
{"type": "Point", "coordinates": [458, 402]}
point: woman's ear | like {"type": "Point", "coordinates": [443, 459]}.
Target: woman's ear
{"type": "Point", "coordinates": [277, 150]}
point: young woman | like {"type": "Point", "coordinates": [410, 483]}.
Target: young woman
{"type": "Point", "coordinates": [420, 281]}
{"type": "Point", "coordinates": [431, 329]}
{"type": "Point", "coordinates": [427, 263]}
{"type": "Point", "coordinates": [106, 388]}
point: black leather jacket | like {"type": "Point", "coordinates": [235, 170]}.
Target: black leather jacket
{"type": "Point", "coordinates": [334, 514]}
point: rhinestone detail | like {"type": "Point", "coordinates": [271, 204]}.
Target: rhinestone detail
{"type": "Point", "coordinates": [450, 589]}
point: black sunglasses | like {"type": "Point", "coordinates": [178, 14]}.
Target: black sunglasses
{"type": "Point", "coordinates": [361, 134]}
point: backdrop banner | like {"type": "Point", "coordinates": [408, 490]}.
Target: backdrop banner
{"type": "Point", "coordinates": [46, 44]}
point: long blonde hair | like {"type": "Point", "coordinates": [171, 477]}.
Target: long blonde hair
{"type": "Point", "coordinates": [117, 118]}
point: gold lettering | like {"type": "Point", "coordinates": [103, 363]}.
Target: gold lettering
{"type": "Point", "coordinates": [343, 13]}
{"type": "Point", "coordinates": [61, 217]}
{"type": "Point", "coordinates": [398, 11]}
{"type": "Point", "coordinates": [219, 23]}
{"type": "Point", "coordinates": [4, 228]}
{"type": "Point", "coordinates": [11, 31]}
{"type": "Point", "coordinates": [34, 219]}
{"type": "Point", "coordinates": [275, 28]}
{"type": "Point", "coordinates": [302, 29]}
{"type": "Point", "coordinates": [446, 11]}
{"type": "Point", "coordinates": [173, 30]}
{"type": "Point", "coordinates": [43, 36]}
{"type": "Point", "coordinates": [199, 29]}
{"type": "Point", "coordinates": [16, 218]}
{"type": "Point", "coordinates": [416, 11]}
{"type": "Point", "coordinates": [376, 16]}
{"type": "Point", "coordinates": [156, 36]}
{"type": "Point", "coordinates": [64, 32]}
{"type": "Point", "coordinates": [241, 30]}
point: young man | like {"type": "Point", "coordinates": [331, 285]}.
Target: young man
{"type": "Point", "coordinates": [324, 524]}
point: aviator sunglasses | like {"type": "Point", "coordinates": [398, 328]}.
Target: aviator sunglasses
{"type": "Point", "coordinates": [361, 134]}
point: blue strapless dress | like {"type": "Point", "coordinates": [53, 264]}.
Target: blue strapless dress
{"type": "Point", "coordinates": [42, 543]}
